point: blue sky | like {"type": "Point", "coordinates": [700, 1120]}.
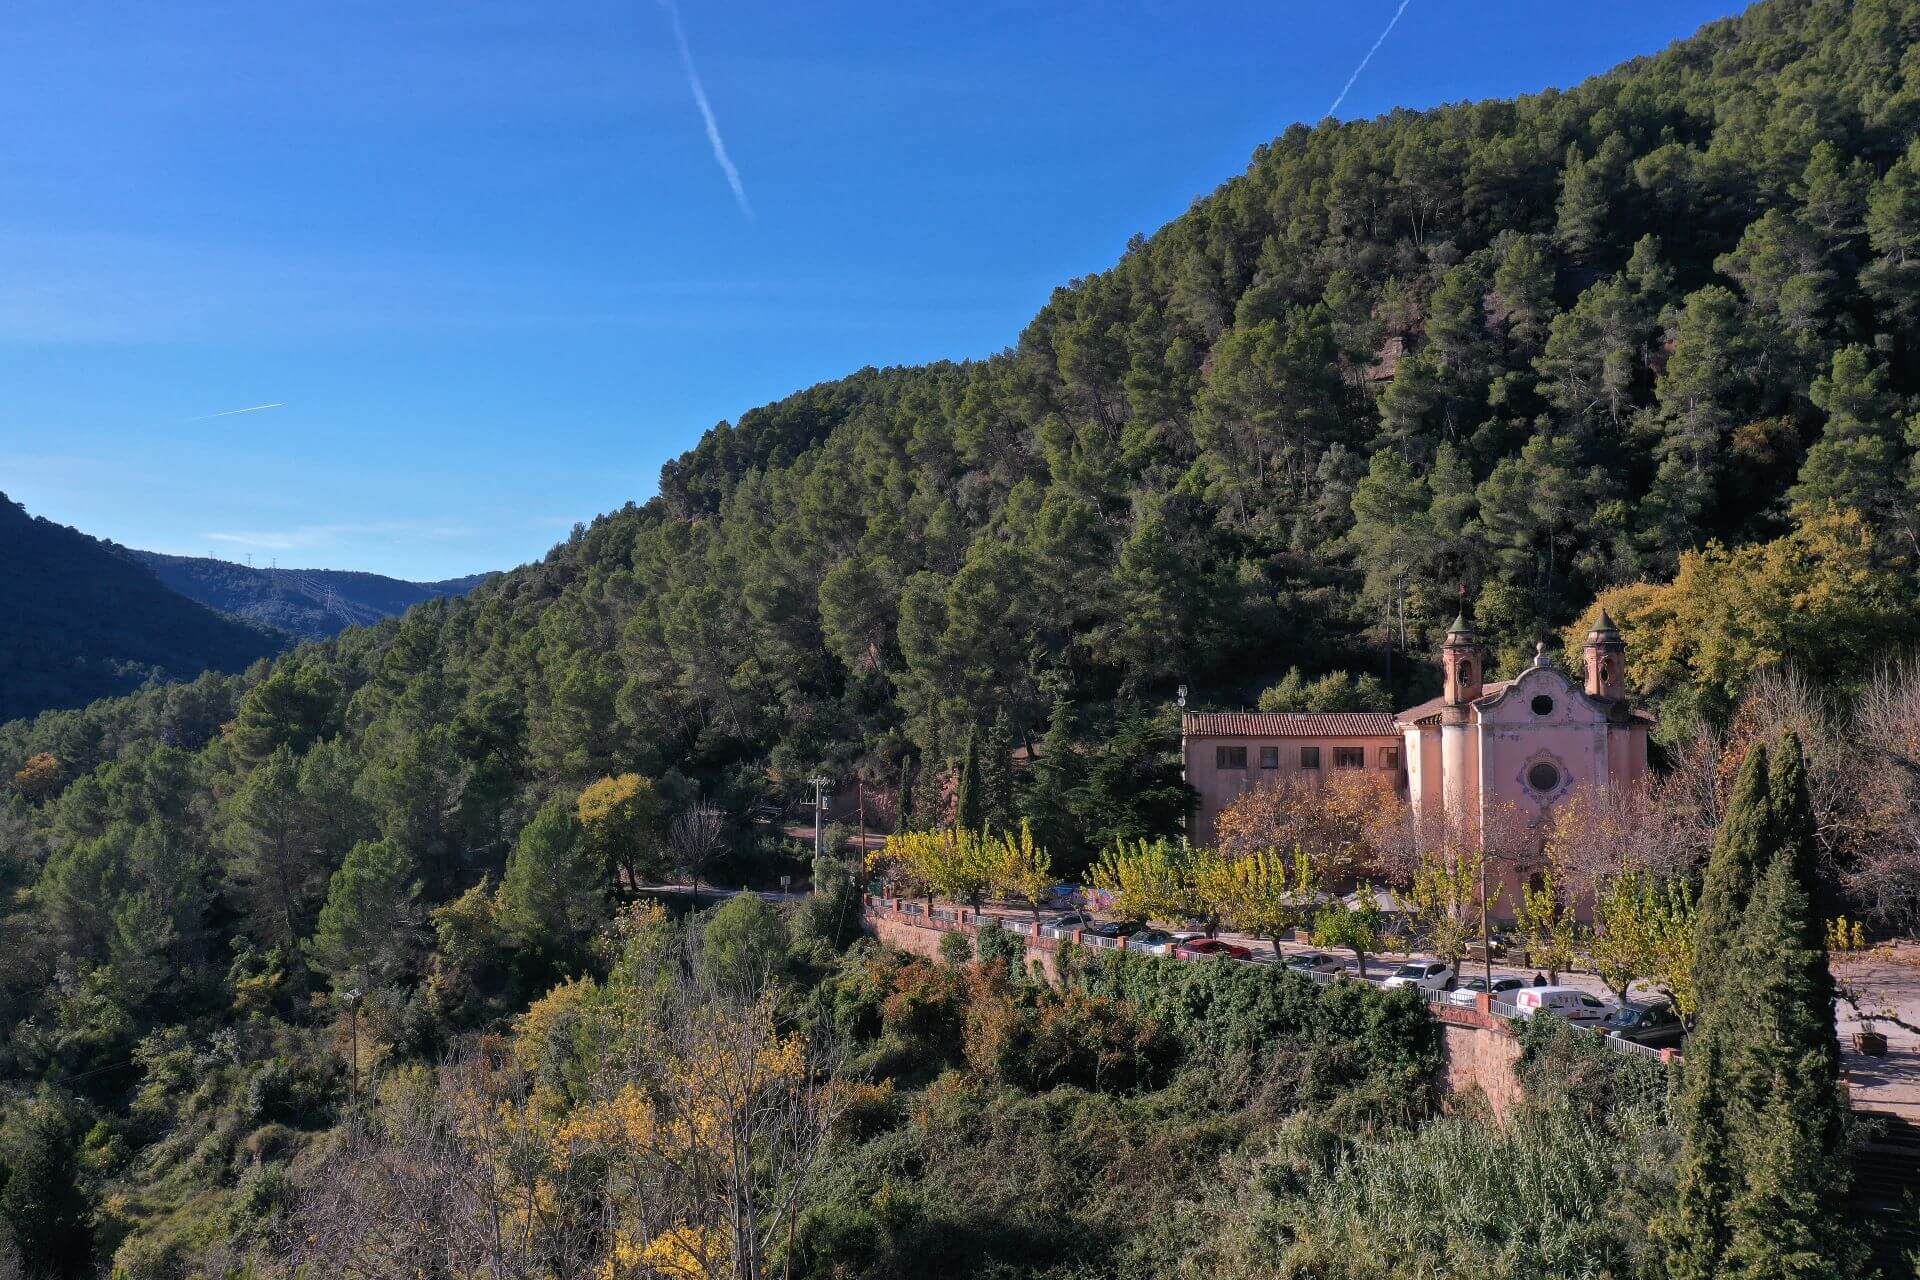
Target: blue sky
{"type": "Point", "coordinates": [482, 257]}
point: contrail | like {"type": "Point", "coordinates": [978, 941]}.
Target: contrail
{"type": "Point", "coordinates": [1391, 23]}
{"type": "Point", "coordinates": [706, 109]}
{"type": "Point", "coordinates": [228, 413]}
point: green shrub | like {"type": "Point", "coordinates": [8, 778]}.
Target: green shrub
{"type": "Point", "coordinates": [297, 1093]}
{"type": "Point", "coordinates": [1038, 1039]}
{"type": "Point", "coordinates": [956, 948]}
{"type": "Point", "coordinates": [1341, 1037]}
{"type": "Point", "coordinates": [1003, 949]}
{"type": "Point", "coordinates": [1547, 1194]}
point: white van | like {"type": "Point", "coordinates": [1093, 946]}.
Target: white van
{"type": "Point", "coordinates": [1571, 1003]}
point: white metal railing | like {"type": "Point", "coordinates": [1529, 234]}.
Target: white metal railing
{"type": "Point", "coordinates": [1632, 1048]}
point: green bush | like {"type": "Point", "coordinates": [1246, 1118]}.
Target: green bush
{"type": "Point", "coordinates": [1547, 1194]}
{"type": "Point", "coordinates": [956, 948]}
{"type": "Point", "coordinates": [1380, 1048]}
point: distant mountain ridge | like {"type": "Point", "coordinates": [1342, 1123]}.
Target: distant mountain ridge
{"type": "Point", "coordinates": [82, 618]}
{"type": "Point", "coordinates": [81, 621]}
{"type": "Point", "coordinates": [310, 604]}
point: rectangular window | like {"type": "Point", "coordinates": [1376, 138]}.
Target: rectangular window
{"type": "Point", "coordinates": [1389, 757]}
{"type": "Point", "coordinates": [1229, 757]}
{"type": "Point", "coordinates": [1349, 757]}
{"type": "Point", "coordinates": [1269, 757]}
{"type": "Point", "coordinates": [1309, 757]}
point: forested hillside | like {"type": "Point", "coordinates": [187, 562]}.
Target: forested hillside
{"type": "Point", "coordinates": [79, 622]}
{"type": "Point", "coordinates": [1656, 336]}
{"type": "Point", "coordinates": [309, 604]}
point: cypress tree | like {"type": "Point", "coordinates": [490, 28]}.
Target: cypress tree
{"type": "Point", "coordinates": [1786, 1117]}
{"type": "Point", "coordinates": [903, 805]}
{"type": "Point", "coordinates": [969, 804]}
{"type": "Point", "coordinates": [1763, 1170]}
{"type": "Point", "coordinates": [996, 776]}
{"type": "Point", "coordinates": [1695, 1231]}
{"type": "Point", "coordinates": [931, 773]}
{"type": "Point", "coordinates": [1740, 853]}
{"type": "Point", "coordinates": [1048, 799]}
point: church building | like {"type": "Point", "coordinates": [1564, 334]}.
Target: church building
{"type": "Point", "coordinates": [1506, 747]}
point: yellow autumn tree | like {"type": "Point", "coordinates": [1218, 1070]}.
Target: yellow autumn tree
{"type": "Point", "coordinates": [1820, 598]}
{"type": "Point", "coordinates": [1022, 868]}
{"type": "Point", "coordinates": [952, 862]}
{"type": "Point", "coordinates": [621, 818]}
{"type": "Point", "coordinates": [1547, 924]}
{"type": "Point", "coordinates": [1151, 880]}
{"type": "Point", "coordinates": [1269, 894]}
{"type": "Point", "coordinates": [39, 777]}
{"type": "Point", "coordinates": [1643, 929]}
{"type": "Point", "coordinates": [1446, 894]}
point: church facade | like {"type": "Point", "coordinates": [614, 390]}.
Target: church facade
{"type": "Point", "coordinates": [1482, 751]}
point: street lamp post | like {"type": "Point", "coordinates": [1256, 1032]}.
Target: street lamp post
{"type": "Point", "coordinates": [1486, 934]}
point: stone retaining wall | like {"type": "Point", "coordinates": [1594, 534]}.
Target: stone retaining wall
{"type": "Point", "coordinates": [1480, 1050]}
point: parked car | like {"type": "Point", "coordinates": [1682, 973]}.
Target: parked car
{"type": "Point", "coordinates": [1116, 928]}
{"type": "Point", "coordinates": [1074, 920]}
{"type": "Point", "coordinates": [1649, 1022]}
{"type": "Point", "coordinates": [1156, 942]}
{"type": "Point", "coordinates": [1204, 948]}
{"type": "Point", "coordinates": [1570, 1003]}
{"type": "Point", "coordinates": [1467, 993]}
{"type": "Point", "coordinates": [1428, 975]}
{"type": "Point", "coordinates": [1316, 962]}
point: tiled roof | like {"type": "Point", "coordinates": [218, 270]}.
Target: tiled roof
{"type": "Point", "coordinates": [1432, 706]}
{"type": "Point", "coordinates": [1288, 724]}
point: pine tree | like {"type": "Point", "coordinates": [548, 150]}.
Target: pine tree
{"type": "Point", "coordinates": [371, 921]}
{"type": "Point", "coordinates": [42, 1201]}
{"type": "Point", "coordinates": [969, 810]}
{"type": "Point", "coordinates": [554, 893]}
{"type": "Point", "coordinates": [1696, 1232]}
{"type": "Point", "coordinates": [1858, 461]}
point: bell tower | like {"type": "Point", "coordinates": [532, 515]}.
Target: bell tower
{"type": "Point", "coordinates": [1606, 661]}
{"type": "Point", "coordinates": [1465, 661]}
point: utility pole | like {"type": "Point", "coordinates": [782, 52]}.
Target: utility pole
{"type": "Point", "coordinates": [1181, 697]}
{"type": "Point", "coordinates": [819, 807]}
{"type": "Point", "coordinates": [352, 998]}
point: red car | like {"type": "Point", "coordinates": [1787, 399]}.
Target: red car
{"type": "Point", "coordinates": [1201, 948]}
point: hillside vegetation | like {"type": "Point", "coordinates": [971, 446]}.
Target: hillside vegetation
{"type": "Point", "coordinates": [79, 622]}
{"type": "Point", "coordinates": [1656, 336]}
{"type": "Point", "coordinates": [309, 604]}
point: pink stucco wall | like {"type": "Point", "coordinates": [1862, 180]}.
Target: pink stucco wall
{"type": "Point", "coordinates": [1219, 787]}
